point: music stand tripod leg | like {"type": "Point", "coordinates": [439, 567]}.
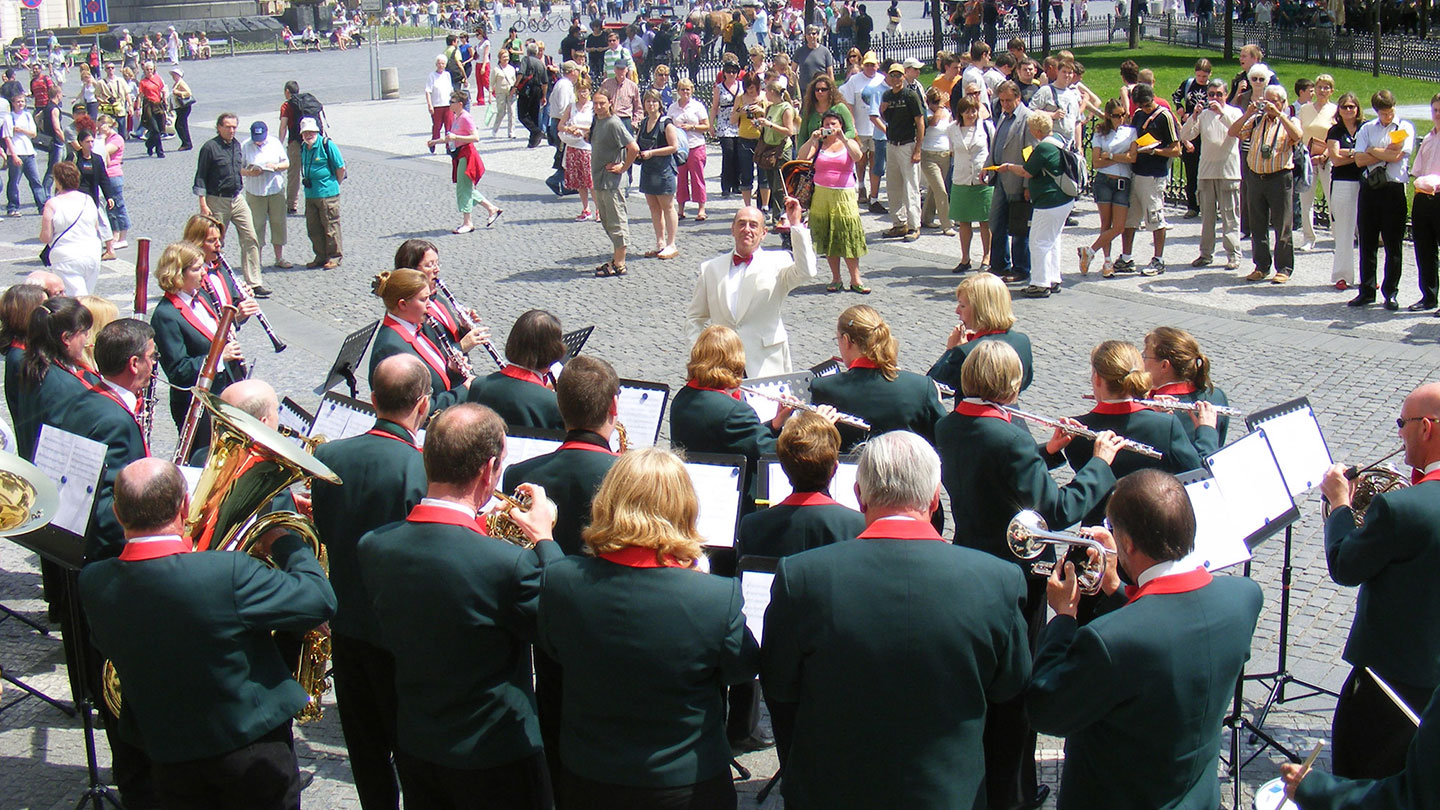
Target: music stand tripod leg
{"type": "Point", "coordinates": [11, 614]}
{"type": "Point", "coordinates": [33, 692]}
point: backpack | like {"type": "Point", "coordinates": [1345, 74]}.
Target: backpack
{"type": "Point", "coordinates": [1068, 181]}
{"type": "Point", "coordinates": [682, 148]}
{"type": "Point", "coordinates": [307, 106]}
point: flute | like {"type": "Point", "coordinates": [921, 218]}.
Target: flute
{"type": "Point", "coordinates": [799, 405]}
{"type": "Point", "coordinates": [1083, 432]}
{"type": "Point", "coordinates": [468, 322]}
{"type": "Point", "coordinates": [275, 341]}
{"type": "Point", "coordinates": [1178, 405]}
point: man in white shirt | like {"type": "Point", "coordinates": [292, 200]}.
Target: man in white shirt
{"type": "Point", "coordinates": [851, 92]}
{"type": "Point", "coordinates": [562, 95]}
{"type": "Point", "coordinates": [438, 87]}
{"type": "Point", "coordinates": [1063, 103]}
{"type": "Point", "coordinates": [1218, 173]}
{"type": "Point", "coordinates": [264, 180]}
{"type": "Point", "coordinates": [975, 71]}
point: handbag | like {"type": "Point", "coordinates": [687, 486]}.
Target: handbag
{"type": "Point", "coordinates": [769, 156]}
{"type": "Point", "coordinates": [45, 251]}
{"type": "Point", "coordinates": [1375, 177]}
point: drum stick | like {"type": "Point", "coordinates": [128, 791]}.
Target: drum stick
{"type": "Point", "coordinates": [1395, 698]}
{"type": "Point", "coordinates": [1304, 769]}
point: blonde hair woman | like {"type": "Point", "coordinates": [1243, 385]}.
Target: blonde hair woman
{"type": "Point", "coordinates": [874, 387]}
{"type": "Point", "coordinates": [184, 321]}
{"type": "Point", "coordinates": [982, 302]}
{"type": "Point", "coordinates": [102, 312]}
{"type": "Point", "coordinates": [640, 605]}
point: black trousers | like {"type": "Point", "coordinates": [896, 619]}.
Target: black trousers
{"type": "Point", "coordinates": [1191, 160]}
{"type": "Point", "coordinates": [1009, 742]}
{"type": "Point", "coordinates": [182, 125]}
{"type": "Point", "coordinates": [154, 120]}
{"type": "Point", "coordinates": [1370, 735]}
{"type": "Point", "coordinates": [548, 700]}
{"type": "Point", "coordinates": [712, 794]}
{"type": "Point", "coordinates": [263, 775]}
{"type": "Point", "coordinates": [1382, 219]}
{"type": "Point", "coordinates": [1425, 227]}
{"type": "Point", "coordinates": [528, 109]}
{"type": "Point", "coordinates": [364, 679]}
{"type": "Point", "coordinates": [520, 785]}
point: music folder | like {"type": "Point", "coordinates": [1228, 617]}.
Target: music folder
{"type": "Point", "coordinates": [347, 361]}
{"type": "Point", "coordinates": [642, 411]}
{"type": "Point", "coordinates": [72, 466]}
{"type": "Point", "coordinates": [1251, 489]}
{"type": "Point", "coordinates": [757, 574]}
{"type": "Point", "coordinates": [1297, 441]}
{"type": "Point", "coordinates": [719, 481]}
{"type": "Point", "coordinates": [340, 417]}
{"type": "Point", "coordinates": [775, 484]}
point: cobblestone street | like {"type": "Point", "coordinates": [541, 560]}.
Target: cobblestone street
{"type": "Point", "coordinates": [1268, 343]}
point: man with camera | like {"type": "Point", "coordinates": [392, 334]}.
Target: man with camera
{"type": "Point", "coordinates": [1272, 136]}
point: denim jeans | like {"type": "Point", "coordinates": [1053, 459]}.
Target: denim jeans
{"type": "Point", "coordinates": [12, 186]}
{"type": "Point", "coordinates": [119, 217]}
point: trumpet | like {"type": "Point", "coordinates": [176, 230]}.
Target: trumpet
{"type": "Point", "coordinates": [1083, 432]}
{"type": "Point", "coordinates": [1178, 405]}
{"type": "Point", "coordinates": [1027, 535]}
{"type": "Point", "coordinates": [453, 354]}
{"type": "Point", "coordinates": [800, 405]}
{"type": "Point", "coordinates": [500, 524]}
{"type": "Point", "coordinates": [467, 321]}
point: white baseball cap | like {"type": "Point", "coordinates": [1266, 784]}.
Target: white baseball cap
{"type": "Point", "coordinates": [308, 125]}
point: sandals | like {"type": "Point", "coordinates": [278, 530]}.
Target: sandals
{"type": "Point", "coordinates": [608, 269]}
{"type": "Point", "coordinates": [834, 286]}
{"type": "Point", "coordinates": [668, 253]}
{"type": "Point", "coordinates": [491, 221]}
{"type": "Point", "coordinates": [860, 288]}
{"type": "Point", "coordinates": [650, 254]}
{"type": "Point", "coordinates": [464, 229]}
{"type": "Point", "coordinates": [701, 217]}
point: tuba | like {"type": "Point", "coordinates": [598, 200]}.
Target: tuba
{"type": "Point", "coordinates": [28, 498]}
{"type": "Point", "coordinates": [1027, 536]}
{"type": "Point", "coordinates": [1364, 486]}
{"type": "Point", "coordinates": [249, 464]}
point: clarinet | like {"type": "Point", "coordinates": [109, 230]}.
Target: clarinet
{"type": "Point", "coordinates": [236, 368]}
{"type": "Point", "coordinates": [245, 295]}
{"type": "Point", "coordinates": [468, 322]}
{"type": "Point", "coordinates": [453, 354]}
{"type": "Point", "coordinates": [146, 415]}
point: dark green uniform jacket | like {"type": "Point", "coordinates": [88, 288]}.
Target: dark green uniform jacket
{"type": "Point", "coordinates": [520, 397]}
{"type": "Point", "coordinates": [993, 469]}
{"type": "Point", "coordinates": [447, 387]}
{"type": "Point", "coordinates": [570, 476]}
{"type": "Point", "coordinates": [706, 420]}
{"type": "Point", "coordinates": [1139, 693]}
{"type": "Point", "coordinates": [46, 403]}
{"type": "Point", "coordinates": [947, 368]}
{"type": "Point", "coordinates": [1161, 431]}
{"type": "Point", "coordinates": [1415, 788]}
{"type": "Point", "coordinates": [1186, 392]}
{"type": "Point", "coordinates": [183, 345]}
{"type": "Point", "coordinates": [384, 478]}
{"type": "Point", "coordinates": [1393, 559]}
{"type": "Point", "coordinates": [909, 402]}
{"type": "Point", "coordinates": [645, 650]}
{"type": "Point", "coordinates": [13, 355]}
{"type": "Point", "coordinates": [101, 416]}
{"type": "Point", "coordinates": [189, 634]}
{"type": "Point", "coordinates": [802, 521]}
{"type": "Point", "coordinates": [889, 648]}
{"type": "Point", "coordinates": [457, 610]}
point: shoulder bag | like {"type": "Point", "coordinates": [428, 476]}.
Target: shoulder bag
{"type": "Point", "coordinates": [45, 251]}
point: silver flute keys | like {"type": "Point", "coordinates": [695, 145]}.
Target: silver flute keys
{"type": "Point", "coordinates": [1083, 432]}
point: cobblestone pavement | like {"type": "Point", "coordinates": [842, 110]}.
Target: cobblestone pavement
{"type": "Point", "coordinates": [1268, 344]}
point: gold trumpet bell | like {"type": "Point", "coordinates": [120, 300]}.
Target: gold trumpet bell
{"type": "Point", "coordinates": [28, 498]}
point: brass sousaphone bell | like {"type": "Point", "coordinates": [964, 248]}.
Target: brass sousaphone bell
{"type": "Point", "coordinates": [249, 464]}
{"type": "Point", "coordinates": [28, 498]}
{"type": "Point", "coordinates": [1028, 535]}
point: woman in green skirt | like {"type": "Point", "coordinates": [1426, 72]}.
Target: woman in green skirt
{"type": "Point", "coordinates": [834, 214]}
{"type": "Point", "coordinates": [969, 194]}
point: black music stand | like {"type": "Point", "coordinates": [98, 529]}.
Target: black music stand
{"type": "Point", "coordinates": [348, 360]}
{"type": "Point", "coordinates": [29, 690]}
{"type": "Point", "coordinates": [575, 341]}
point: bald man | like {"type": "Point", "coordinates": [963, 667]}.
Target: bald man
{"type": "Point", "coordinates": [166, 616]}
{"type": "Point", "coordinates": [51, 283]}
{"type": "Point", "coordinates": [744, 289]}
{"type": "Point", "coordinates": [1392, 559]}
{"type": "Point", "coordinates": [256, 398]}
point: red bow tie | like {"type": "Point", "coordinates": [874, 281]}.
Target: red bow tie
{"type": "Point", "coordinates": [736, 259]}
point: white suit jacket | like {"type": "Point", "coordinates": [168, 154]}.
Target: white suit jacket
{"type": "Point", "coordinates": [772, 274]}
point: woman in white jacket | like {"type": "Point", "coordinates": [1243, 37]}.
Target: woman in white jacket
{"type": "Point", "coordinates": [969, 194]}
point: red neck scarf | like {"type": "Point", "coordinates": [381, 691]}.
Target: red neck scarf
{"type": "Point", "coordinates": [981, 409]}
{"type": "Point", "coordinates": [635, 557]}
{"type": "Point", "coordinates": [1174, 583]}
{"type": "Point", "coordinates": [423, 346]}
{"type": "Point", "coordinates": [515, 372]}
{"type": "Point", "coordinates": [442, 315]}
{"type": "Point", "coordinates": [863, 362]}
{"type": "Point", "coordinates": [586, 440]}
{"type": "Point", "coordinates": [426, 513]}
{"type": "Point", "coordinates": [406, 439]}
{"type": "Point", "coordinates": [698, 387]}
{"type": "Point", "coordinates": [1175, 389]}
{"type": "Point", "coordinates": [1116, 408]}
{"type": "Point", "coordinates": [900, 529]}
{"type": "Point", "coordinates": [1418, 476]}
{"type": "Point", "coordinates": [189, 314]}
{"type": "Point", "coordinates": [979, 335]}
{"type": "Point", "coordinates": [808, 499]}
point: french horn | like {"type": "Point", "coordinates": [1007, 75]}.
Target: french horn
{"type": "Point", "coordinates": [28, 498]}
{"type": "Point", "coordinates": [1028, 535]}
{"type": "Point", "coordinates": [249, 464]}
{"type": "Point", "coordinates": [1364, 486]}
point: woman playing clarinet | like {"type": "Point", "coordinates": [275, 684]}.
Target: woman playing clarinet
{"type": "Point", "coordinates": [422, 255]}
{"type": "Point", "coordinates": [184, 321]}
{"type": "Point", "coordinates": [406, 294]}
{"type": "Point", "coordinates": [208, 234]}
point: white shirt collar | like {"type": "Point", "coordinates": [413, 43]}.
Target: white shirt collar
{"type": "Point", "coordinates": [126, 397]}
{"type": "Point", "coordinates": [1163, 569]}
{"type": "Point", "coordinates": [1431, 467]}
{"type": "Point", "coordinates": [154, 538]}
{"type": "Point", "coordinates": [410, 328]}
{"type": "Point", "coordinates": [441, 502]}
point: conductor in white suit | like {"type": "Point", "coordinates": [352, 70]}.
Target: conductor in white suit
{"type": "Point", "coordinates": [744, 289]}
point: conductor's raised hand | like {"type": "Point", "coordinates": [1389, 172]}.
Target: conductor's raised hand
{"type": "Point", "coordinates": [537, 522]}
{"type": "Point", "coordinates": [1062, 590]}
{"type": "Point", "coordinates": [1336, 487]}
{"type": "Point", "coordinates": [1107, 444]}
{"type": "Point", "coordinates": [793, 211]}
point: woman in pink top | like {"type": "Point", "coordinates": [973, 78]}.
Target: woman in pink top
{"type": "Point", "coordinates": [466, 167]}
{"type": "Point", "coordinates": [834, 212]}
{"type": "Point", "coordinates": [112, 144]}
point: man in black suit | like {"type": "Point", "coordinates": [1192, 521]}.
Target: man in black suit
{"type": "Point", "coordinates": [1392, 559]}
{"type": "Point", "coordinates": [898, 639]}
{"type": "Point", "coordinates": [190, 636]}
{"type": "Point", "coordinates": [1140, 692]}
{"type": "Point", "coordinates": [457, 609]}
{"type": "Point", "coordinates": [384, 478]}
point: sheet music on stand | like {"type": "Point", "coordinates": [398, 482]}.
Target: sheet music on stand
{"type": "Point", "coordinates": [1219, 542]}
{"type": "Point", "coordinates": [719, 481]}
{"type": "Point", "coordinates": [796, 385]}
{"type": "Point", "coordinates": [828, 368]}
{"type": "Point", "coordinates": [1297, 441]}
{"type": "Point", "coordinates": [1255, 494]}
{"type": "Point", "coordinates": [340, 417]}
{"type": "Point", "coordinates": [757, 574]}
{"type": "Point", "coordinates": [74, 463]}
{"type": "Point", "coordinates": [295, 418]}
{"type": "Point", "coordinates": [642, 411]}
{"type": "Point", "coordinates": [775, 484]}
{"type": "Point", "coordinates": [347, 361]}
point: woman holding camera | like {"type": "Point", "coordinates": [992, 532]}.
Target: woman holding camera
{"type": "Point", "coordinates": [834, 212]}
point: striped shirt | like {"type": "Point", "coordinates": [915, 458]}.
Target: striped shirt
{"type": "Point", "coordinates": [1263, 131]}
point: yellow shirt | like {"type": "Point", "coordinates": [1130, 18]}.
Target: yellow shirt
{"type": "Point", "coordinates": [748, 128]}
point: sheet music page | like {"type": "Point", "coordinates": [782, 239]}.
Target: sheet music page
{"type": "Point", "coordinates": [755, 591]}
{"type": "Point", "coordinates": [524, 448]}
{"type": "Point", "coordinates": [192, 478]}
{"type": "Point", "coordinates": [1250, 481]}
{"type": "Point", "coordinates": [1300, 449]}
{"type": "Point", "coordinates": [641, 410]}
{"type": "Point", "coordinates": [74, 463]}
{"type": "Point", "coordinates": [719, 491]}
{"type": "Point", "coordinates": [842, 486]}
{"type": "Point", "coordinates": [1219, 543]}
{"type": "Point", "coordinates": [765, 408]}
{"type": "Point", "coordinates": [336, 420]}
{"type": "Point", "coordinates": [295, 422]}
